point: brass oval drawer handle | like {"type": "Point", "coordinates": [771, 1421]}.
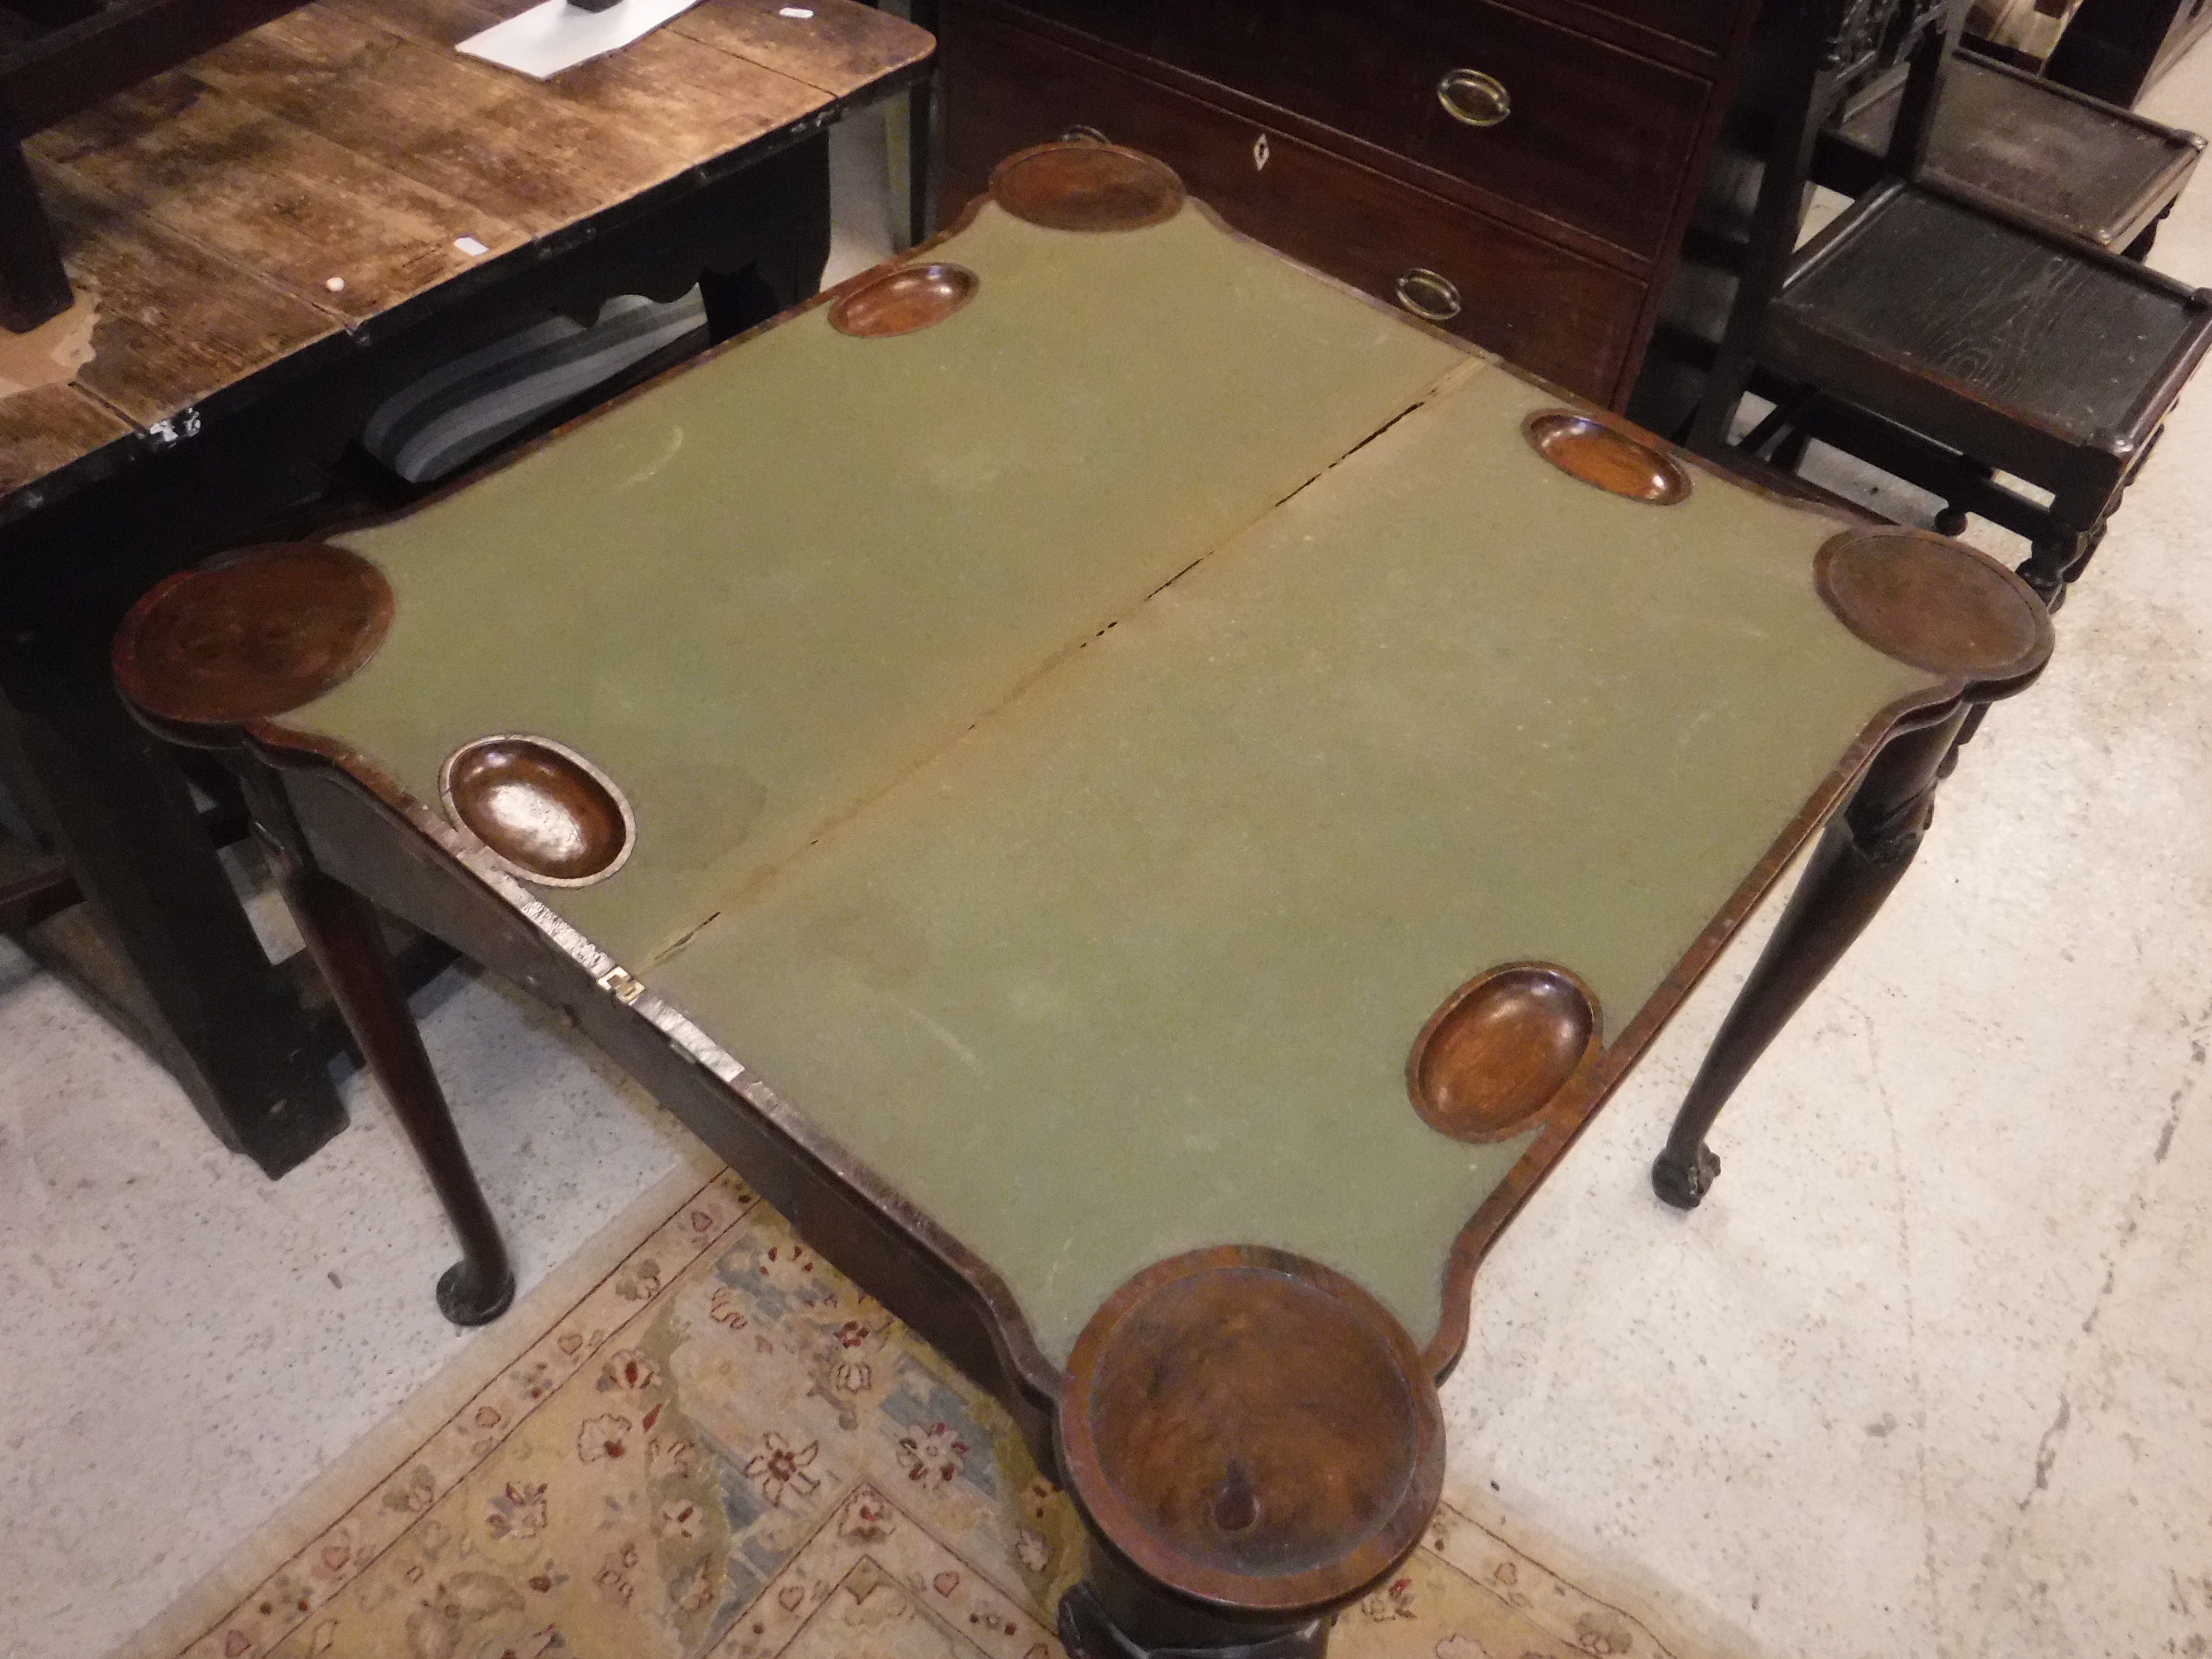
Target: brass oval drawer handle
{"type": "Point", "coordinates": [1426, 294]}
{"type": "Point", "coordinates": [1477, 98]}
{"type": "Point", "coordinates": [1080, 134]}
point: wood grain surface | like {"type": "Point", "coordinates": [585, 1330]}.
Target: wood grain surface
{"type": "Point", "coordinates": [2040, 151]}
{"type": "Point", "coordinates": [322, 170]}
{"type": "Point", "coordinates": [173, 317]}
{"type": "Point", "coordinates": [464, 128]}
{"type": "Point", "coordinates": [841, 48]}
{"type": "Point", "coordinates": [692, 99]}
{"type": "Point", "coordinates": [271, 197]}
{"type": "Point", "coordinates": [1923, 288]}
{"type": "Point", "coordinates": [49, 427]}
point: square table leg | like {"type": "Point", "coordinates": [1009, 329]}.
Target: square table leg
{"type": "Point", "coordinates": [34, 286]}
{"type": "Point", "coordinates": [188, 972]}
{"type": "Point", "coordinates": [926, 135]}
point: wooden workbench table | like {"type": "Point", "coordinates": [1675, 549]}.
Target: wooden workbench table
{"type": "Point", "coordinates": [205, 215]}
{"type": "Point", "coordinates": [264, 244]}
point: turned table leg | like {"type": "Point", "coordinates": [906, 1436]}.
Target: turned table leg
{"type": "Point", "coordinates": [2055, 560]}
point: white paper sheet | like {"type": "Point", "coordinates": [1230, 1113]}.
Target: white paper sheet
{"type": "Point", "coordinates": [556, 36]}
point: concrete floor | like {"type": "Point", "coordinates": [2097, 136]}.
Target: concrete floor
{"type": "Point", "coordinates": [1929, 1373]}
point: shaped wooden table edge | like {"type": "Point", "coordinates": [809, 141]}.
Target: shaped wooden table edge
{"type": "Point", "coordinates": [1252, 1440]}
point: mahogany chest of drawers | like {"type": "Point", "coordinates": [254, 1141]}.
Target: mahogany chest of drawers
{"type": "Point", "coordinates": [1521, 173]}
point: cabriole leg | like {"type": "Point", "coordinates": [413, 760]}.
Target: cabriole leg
{"type": "Point", "coordinates": [341, 930]}
{"type": "Point", "coordinates": [1865, 852]}
{"type": "Point", "coordinates": [342, 935]}
{"type": "Point", "coordinates": [257, 634]}
{"type": "Point", "coordinates": [1943, 609]}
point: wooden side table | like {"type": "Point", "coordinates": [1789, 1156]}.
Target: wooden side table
{"type": "Point", "coordinates": [264, 244]}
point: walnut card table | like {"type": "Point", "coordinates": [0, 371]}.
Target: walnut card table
{"type": "Point", "coordinates": [1142, 797]}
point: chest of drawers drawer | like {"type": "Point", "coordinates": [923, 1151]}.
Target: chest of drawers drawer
{"type": "Point", "coordinates": [1704, 24]}
{"type": "Point", "coordinates": [1551, 310]}
{"type": "Point", "coordinates": [1585, 133]}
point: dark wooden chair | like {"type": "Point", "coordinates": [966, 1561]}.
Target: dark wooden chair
{"type": "Point", "coordinates": [2048, 156]}
{"type": "Point", "coordinates": [1930, 332]}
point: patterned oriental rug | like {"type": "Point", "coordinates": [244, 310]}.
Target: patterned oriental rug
{"type": "Point", "coordinates": [723, 1450]}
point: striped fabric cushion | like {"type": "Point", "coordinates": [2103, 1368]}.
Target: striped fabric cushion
{"type": "Point", "coordinates": [440, 422]}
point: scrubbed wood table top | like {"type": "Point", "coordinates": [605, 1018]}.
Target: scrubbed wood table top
{"type": "Point", "coordinates": [331, 172]}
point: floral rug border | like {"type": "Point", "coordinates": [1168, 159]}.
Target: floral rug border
{"type": "Point", "coordinates": [867, 1550]}
{"type": "Point", "coordinates": [349, 1545]}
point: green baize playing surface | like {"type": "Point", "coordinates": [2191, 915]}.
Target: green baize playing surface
{"type": "Point", "coordinates": [1076, 746]}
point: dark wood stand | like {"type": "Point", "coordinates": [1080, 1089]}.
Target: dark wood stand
{"type": "Point", "coordinates": [344, 936]}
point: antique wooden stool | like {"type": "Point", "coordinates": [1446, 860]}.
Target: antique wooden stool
{"type": "Point", "coordinates": [2034, 151]}
{"type": "Point", "coordinates": [1935, 332]}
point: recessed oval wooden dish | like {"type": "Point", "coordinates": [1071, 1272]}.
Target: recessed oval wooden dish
{"type": "Point", "coordinates": [1086, 186]}
{"type": "Point", "coordinates": [1502, 1048]}
{"type": "Point", "coordinates": [263, 632]}
{"type": "Point", "coordinates": [547, 812]}
{"type": "Point", "coordinates": [904, 301]}
{"type": "Point", "coordinates": [1587, 448]}
{"type": "Point", "coordinates": [1251, 1428]}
